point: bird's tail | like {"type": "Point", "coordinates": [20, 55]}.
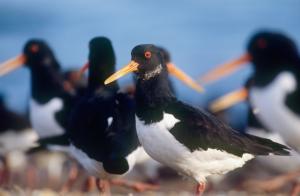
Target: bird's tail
{"type": "Point", "coordinates": [266, 146]}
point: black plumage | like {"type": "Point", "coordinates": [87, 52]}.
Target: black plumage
{"type": "Point", "coordinates": [89, 126]}
{"type": "Point", "coordinates": [11, 121]}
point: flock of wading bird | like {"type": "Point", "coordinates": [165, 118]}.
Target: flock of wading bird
{"type": "Point", "coordinates": [108, 130]}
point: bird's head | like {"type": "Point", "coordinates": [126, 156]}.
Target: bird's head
{"type": "Point", "coordinates": [147, 63]}
{"type": "Point", "coordinates": [36, 54]}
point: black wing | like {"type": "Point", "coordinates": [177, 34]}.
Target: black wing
{"type": "Point", "coordinates": [122, 139]}
{"type": "Point", "coordinates": [198, 129]}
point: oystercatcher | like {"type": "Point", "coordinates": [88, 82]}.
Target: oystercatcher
{"type": "Point", "coordinates": [189, 140]}
{"type": "Point", "coordinates": [273, 89]}
{"type": "Point", "coordinates": [102, 125]}
{"type": "Point", "coordinates": [50, 104]}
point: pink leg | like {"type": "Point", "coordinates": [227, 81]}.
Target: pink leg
{"type": "Point", "coordinates": [72, 177]}
{"type": "Point", "coordinates": [200, 188]}
{"type": "Point", "coordinates": [103, 186]}
{"type": "Point", "coordinates": [89, 184]}
{"type": "Point", "coordinates": [296, 189]}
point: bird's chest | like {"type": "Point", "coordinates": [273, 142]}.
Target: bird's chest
{"type": "Point", "coordinates": [158, 142]}
{"type": "Point", "coordinates": [271, 110]}
{"type": "Point", "coordinates": [42, 117]}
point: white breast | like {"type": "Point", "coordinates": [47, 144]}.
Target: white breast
{"type": "Point", "coordinates": [95, 168]}
{"type": "Point", "coordinates": [42, 117]}
{"type": "Point", "coordinates": [272, 111]}
{"type": "Point", "coordinates": [17, 140]}
{"type": "Point", "coordinates": [162, 146]}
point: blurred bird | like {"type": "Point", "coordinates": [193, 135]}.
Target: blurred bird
{"type": "Point", "coordinates": [102, 126]}
{"type": "Point", "coordinates": [187, 139]}
{"type": "Point", "coordinates": [50, 103]}
{"type": "Point", "coordinates": [75, 82]}
{"type": "Point", "coordinates": [273, 89]}
{"type": "Point", "coordinates": [16, 135]}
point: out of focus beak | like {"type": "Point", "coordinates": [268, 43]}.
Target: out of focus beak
{"type": "Point", "coordinates": [84, 68]}
{"type": "Point", "coordinates": [12, 64]}
{"type": "Point", "coordinates": [225, 69]}
{"type": "Point", "coordinates": [229, 100]}
{"type": "Point", "coordinates": [132, 66]}
{"type": "Point", "coordinates": [173, 70]}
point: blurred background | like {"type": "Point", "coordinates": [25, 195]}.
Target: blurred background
{"type": "Point", "coordinates": [198, 34]}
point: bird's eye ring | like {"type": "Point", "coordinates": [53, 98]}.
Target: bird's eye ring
{"type": "Point", "coordinates": [148, 55]}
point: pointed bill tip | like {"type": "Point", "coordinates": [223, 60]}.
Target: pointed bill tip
{"type": "Point", "coordinates": [187, 80]}
{"type": "Point", "coordinates": [12, 64]}
{"type": "Point", "coordinates": [132, 66]}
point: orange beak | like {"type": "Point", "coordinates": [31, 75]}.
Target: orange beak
{"type": "Point", "coordinates": [225, 69]}
{"type": "Point", "coordinates": [229, 100]}
{"type": "Point", "coordinates": [84, 68]}
{"type": "Point", "coordinates": [133, 66]}
{"type": "Point", "coordinates": [173, 70]}
{"type": "Point", "coordinates": [12, 64]}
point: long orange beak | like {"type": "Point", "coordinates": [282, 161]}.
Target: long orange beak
{"type": "Point", "coordinates": [84, 68]}
{"type": "Point", "coordinates": [225, 69]}
{"type": "Point", "coordinates": [133, 66]}
{"type": "Point", "coordinates": [12, 64]}
{"type": "Point", "coordinates": [229, 100]}
{"type": "Point", "coordinates": [173, 70]}
{"type": "Point", "coordinates": [130, 67]}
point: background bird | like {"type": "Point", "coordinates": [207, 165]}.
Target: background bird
{"type": "Point", "coordinates": [272, 90]}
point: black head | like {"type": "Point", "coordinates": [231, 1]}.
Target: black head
{"type": "Point", "coordinates": [272, 50]}
{"type": "Point", "coordinates": [269, 52]}
{"type": "Point", "coordinates": [165, 55]}
{"type": "Point", "coordinates": [148, 64]}
{"type": "Point", "coordinates": [101, 60]}
{"type": "Point", "coordinates": [38, 53]}
{"type": "Point", "coordinates": [102, 53]}
{"type": "Point", "coordinates": [150, 61]}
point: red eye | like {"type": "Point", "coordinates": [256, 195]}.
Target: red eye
{"type": "Point", "coordinates": [34, 48]}
{"type": "Point", "coordinates": [262, 43]}
{"type": "Point", "coordinates": [148, 55]}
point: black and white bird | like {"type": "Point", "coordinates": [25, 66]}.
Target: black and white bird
{"type": "Point", "coordinates": [102, 125]}
{"type": "Point", "coordinates": [50, 103]}
{"type": "Point", "coordinates": [187, 139]}
{"type": "Point", "coordinates": [273, 91]}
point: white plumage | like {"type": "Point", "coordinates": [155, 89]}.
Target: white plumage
{"type": "Point", "coordinates": [12, 140]}
{"type": "Point", "coordinates": [42, 117]}
{"type": "Point", "coordinates": [95, 168]}
{"type": "Point", "coordinates": [162, 146]}
{"type": "Point", "coordinates": [273, 112]}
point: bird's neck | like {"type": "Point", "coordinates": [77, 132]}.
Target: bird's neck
{"type": "Point", "coordinates": [97, 76]}
{"type": "Point", "coordinates": [46, 83]}
{"type": "Point", "coordinates": [152, 96]}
